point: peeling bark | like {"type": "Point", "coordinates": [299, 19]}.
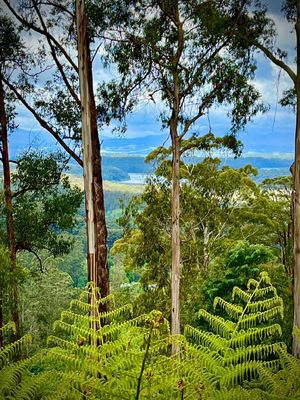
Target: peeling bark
{"type": "Point", "coordinates": [175, 273]}
{"type": "Point", "coordinates": [93, 183]}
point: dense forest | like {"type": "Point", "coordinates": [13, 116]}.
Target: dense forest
{"type": "Point", "coordinates": [187, 285]}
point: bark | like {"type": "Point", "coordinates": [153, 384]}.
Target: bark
{"type": "Point", "coordinates": [295, 170]}
{"type": "Point", "coordinates": [92, 170]}
{"type": "Point", "coordinates": [175, 274]}
{"type": "Point", "coordinates": [9, 210]}
{"type": "Point", "coordinates": [206, 258]}
{"type": "Point", "coordinates": [296, 199]}
{"type": "Point", "coordinates": [175, 98]}
{"type": "Point", "coordinates": [1, 320]}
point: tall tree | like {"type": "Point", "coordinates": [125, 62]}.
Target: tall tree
{"type": "Point", "coordinates": [54, 23]}
{"type": "Point", "coordinates": [183, 54]}
{"type": "Point", "coordinates": [93, 184]}
{"type": "Point", "coordinates": [291, 9]}
{"type": "Point", "coordinates": [219, 206]}
{"type": "Point", "coordinates": [44, 209]}
{"type": "Point", "coordinates": [10, 53]}
{"type": "Point", "coordinates": [9, 207]}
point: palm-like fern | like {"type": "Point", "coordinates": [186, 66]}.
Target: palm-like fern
{"type": "Point", "coordinates": [8, 352]}
{"type": "Point", "coordinates": [127, 358]}
{"type": "Point", "coordinates": [243, 344]}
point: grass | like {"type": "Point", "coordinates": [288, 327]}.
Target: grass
{"type": "Point", "coordinates": [108, 185]}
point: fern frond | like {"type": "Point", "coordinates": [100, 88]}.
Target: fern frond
{"type": "Point", "coordinates": [252, 282]}
{"type": "Point", "coordinates": [12, 374]}
{"type": "Point", "coordinates": [80, 305]}
{"type": "Point", "coordinates": [254, 335]}
{"type": "Point", "coordinates": [253, 353]}
{"type": "Point", "coordinates": [264, 278]}
{"type": "Point", "coordinates": [236, 374]}
{"type": "Point", "coordinates": [262, 292]}
{"type": "Point", "coordinates": [219, 324]}
{"type": "Point", "coordinates": [8, 352]}
{"type": "Point", "coordinates": [123, 310]}
{"type": "Point", "coordinates": [251, 320]}
{"type": "Point", "coordinates": [242, 294]}
{"type": "Point", "coordinates": [10, 326]}
{"type": "Point", "coordinates": [207, 359]}
{"type": "Point", "coordinates": [288, 361]}
{"type": "Point", "coordinates": [73, 330]}
{"type": "Point", "coordinates": [263, 305]}
{"type": "Point", "coordinates": [207, 339]}
{"type": "Point", "coordinates": [232, 310]}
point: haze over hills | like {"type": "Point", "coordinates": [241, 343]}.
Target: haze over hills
{"type": "Point", "coordinates": [123, 157]}
{"type": "Point", "coordinates": [21, 140]}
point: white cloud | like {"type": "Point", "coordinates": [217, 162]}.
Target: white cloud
{"type": "Point", "coordinates": [286, 37]}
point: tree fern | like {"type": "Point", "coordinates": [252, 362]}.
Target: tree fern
{"type": "Point", "coordinates": [8, 352]}
{"type": "Point", "coordinates": [242, 341]}
{"type": "Point", "coordinates": [130, 361]}
{"type": "Point", "coordinates": [129, 357]}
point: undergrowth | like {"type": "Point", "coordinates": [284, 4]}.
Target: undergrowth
{"type": "Point", "coordinates": [117, 356]}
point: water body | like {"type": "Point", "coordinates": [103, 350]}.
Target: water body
{"type": "Point", "coordinates": [136, 179]}
{"type": "Point", "coordinates": [263, 173]}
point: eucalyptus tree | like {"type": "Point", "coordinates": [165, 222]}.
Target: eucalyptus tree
{"type": "Point", "coordinates": [291, 10]}
{"type": "Point", "coordinates": [56, 104]}
{"type": "Point", "coordinates": [216, 211]}
{"type": "Point", "coordinates": [11, 55]}
{"type": "Point", "coordinates": [185, 56]}
{"type": "Point", "coordinates": [44, 210]}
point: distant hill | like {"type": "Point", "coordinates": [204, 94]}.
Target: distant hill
{"type": "Point", "coordinates": [123, 156]}
{"type": "Point", "coordinates": [21, 140]}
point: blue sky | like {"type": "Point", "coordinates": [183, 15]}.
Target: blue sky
{"type": "Point", "coordinates": [272, 132]}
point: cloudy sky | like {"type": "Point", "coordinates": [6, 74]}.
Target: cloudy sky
{"type": "Point", "coordinates": [272, 132]}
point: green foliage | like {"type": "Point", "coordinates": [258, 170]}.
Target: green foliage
{"type": "Point", "coordinates": [8, 352]}
{"type": "Point", "coordinates": [243, 350]}
{"type": "Point", "coordinates": [7, 279]}
{"type": "Point", "coordinates": [219, 207]}
{"type": "Point", "coordinates": [38, 313]}
{"type": "Point", "coordinates": [11, 46]}
{"type": "Point", "coordinates": [174, 47]}
{"type": "Point", "coordinates": [129, 357]}
{"type": "Point", "coordinates": [44, 204]}
{"type": "Point", "coordinates": [235, 267]}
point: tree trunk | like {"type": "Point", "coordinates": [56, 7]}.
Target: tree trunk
{"type": "Point", "coordinates": [92, 170]}
{"type": "Point", "coordinates": [175, 274]}
{"type": "Point", "coordinates": [296, 199]}
{"type": "Point", "coordinates": [1, 319]}
{"type": "Point", "coordinates": [206, 258]}
{"type": "Point", "coordinates": [9, 211]}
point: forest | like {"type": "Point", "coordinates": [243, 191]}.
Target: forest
{"type": "Point", "coordinates": [186, 285]}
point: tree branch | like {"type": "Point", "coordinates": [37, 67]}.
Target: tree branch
{"type": "Point", "coordinates": [35, 28]}
{"type": "Point", "coordinates": [37, 257]}
{"type": "Point", "coordinates": [44, 123]}
{"type": "Point", "coordinates": [55, 58]}
{"type": "Point", "coordinates": [201, 108]}
{"type": "Point", "coordinates": [11, 161]}
{"type": "Point", "coordinates": [278, 62]}
{"type": "Point", "coordinates": [59, 6]}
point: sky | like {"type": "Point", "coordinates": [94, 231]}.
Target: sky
{"type": "Point", "coordinates": [271, 132]}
